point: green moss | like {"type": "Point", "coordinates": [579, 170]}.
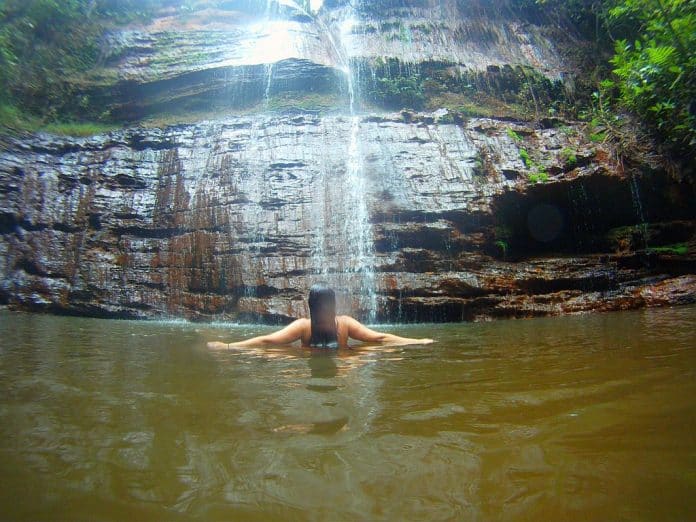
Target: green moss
{"type": "Point", "coordinates": [512, 134]}
{"type": "Point", "coordinates": [473, 110]}
{"type": "Point", "coordinates": [679, 249]}
{"type": "Point", "coordinates": [598, 137]}
{"type": "Point", "coordinates": [525, 158]}
{"type": "Point", "coordinates": [503, 246]}
{"type": "Point", "coordinates": [304, 101]}
{"type": "Point", "coordinates": [78, 129]}
{"type": "Point", "coordinates": [569, 157]}
{"type": "Point", "coordinates": [503, 93]}
{"type": "Point", "coordinates": [398, 92]}
{"type": "Point", "coordinates": [472, 105]}
{"type": "Point", "coordinates": [446, 118]}
{"type": "Point", "coordinates": [540, 176]}
{"type": "Point", "coordinates": [13, 120]}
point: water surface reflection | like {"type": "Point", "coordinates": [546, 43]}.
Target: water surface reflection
{"type": "Point", "coordinates": [580, 418]}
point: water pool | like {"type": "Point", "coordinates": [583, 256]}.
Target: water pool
{"type": "Point", "coordinates": [576, 418]}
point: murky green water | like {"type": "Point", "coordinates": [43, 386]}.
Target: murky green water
{"type": "Point", "coordinates": [581, 418]}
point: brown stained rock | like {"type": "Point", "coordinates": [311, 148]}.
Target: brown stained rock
{"type": "Point", "coordinates": [236, 219]}
{"type": "Point", "coordinates": [675, 291]}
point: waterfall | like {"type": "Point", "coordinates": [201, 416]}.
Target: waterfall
{"type": "Point", "coordinates": [269, 79]}
{"type": "Point", "coordinates": [353, 270]}
{"type": "Point", "coordinates": [358, 230]}
{"type": "Point", "coordinates": [638, 207]}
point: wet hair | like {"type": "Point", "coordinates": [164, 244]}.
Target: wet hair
{"type": "Point", "coordinates": [322, 314]}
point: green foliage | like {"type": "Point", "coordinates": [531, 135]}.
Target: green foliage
{"type": "Point", "coordinates": [77, 129]}
{"type": "Point", "coordinates": [652, 73]}
{"type": "Point", "coordinates": [503, 235]}
{"type": "Point", "coordinates": [598, 137]}
{"type": "Point", "coordinates": [678, 249]}
{"type": "Point", "coordinates": [503, 246]}
{"type": "Point", "coordinates": [45, 43]}
{"type": "Point", "coordinates": [540, 176]}
{"type": "Point", "coordinates": [569, 157]}
{"type": "Point", "coordinates": [12, 120]}
{"type": "Point", "coordinates": [399, 92]}
{"type": "Point", "coordinates": [512, 134]}
{"type": "Point", "coordinates": [446, 119]}
{"type": "Point", "coordinates": [525, 158]}
{"type": "Point", "coordinates": [655, 74]}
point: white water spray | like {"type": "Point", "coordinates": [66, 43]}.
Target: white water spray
{"type": "Point", "coordinates": [356, 273]}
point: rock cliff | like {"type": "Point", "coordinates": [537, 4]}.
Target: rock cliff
{"type": "Point", "coordinates": [434, 213]}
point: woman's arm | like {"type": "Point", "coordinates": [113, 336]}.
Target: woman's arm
{"type": "Point", "coordinates": [287, 335]}
{"type": "Point", "coordinates": [360, 332]}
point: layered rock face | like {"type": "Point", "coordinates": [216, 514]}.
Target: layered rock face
{"type": "Point", "coordinates": [410, 215]}
{"type": "Point", "coordinates": [238, 53]}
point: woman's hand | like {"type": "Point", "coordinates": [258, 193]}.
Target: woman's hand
{"type": "Point", "coordinates": [405, 341]}
{"type": "Point", "coordinates": [215, 345]}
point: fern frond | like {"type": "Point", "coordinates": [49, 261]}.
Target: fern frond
{"type": "Point", "coordinates": [661, 55]}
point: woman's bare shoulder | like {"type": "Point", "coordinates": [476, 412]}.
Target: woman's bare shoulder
{"type": "Point", "coordinates": [301, 323]}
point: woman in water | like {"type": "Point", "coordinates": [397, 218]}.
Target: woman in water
{"type": "Point", "coordinates": [323, 329]}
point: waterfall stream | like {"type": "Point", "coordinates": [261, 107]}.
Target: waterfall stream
{"type": "Point", "coordinates": [354, 274]}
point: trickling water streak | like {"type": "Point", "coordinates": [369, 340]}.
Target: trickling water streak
{"type": "Point", "coordinates": [358, 231]}
{"type": "Point", "coordinates": [638, 207]}
{"type": "Point", "coordinates": [269, 78]}
{"type": "Point", "coordinates": [582, 210]}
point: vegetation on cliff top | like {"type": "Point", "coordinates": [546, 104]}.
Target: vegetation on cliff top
{"type": "Point", "coordinates": [652, 72]}
{"type": "Point", "coordinates": [46, 43]}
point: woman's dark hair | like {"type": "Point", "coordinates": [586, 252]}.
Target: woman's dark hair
{"type": "Point", "coordinates": [322, 314]}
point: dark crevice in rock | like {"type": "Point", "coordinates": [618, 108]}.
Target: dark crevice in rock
{"type": "Point", "coordinates": [140, 143]}
{"type": "Point", "coordinates": [33, 227]}
{"type": "Point", "coordinates": [30, 267]}
{"type": "Point", "coordinates": [288, 165]}
{"type": "Point", "coordinates": [94, 221]}
{"type": "Point", "coordinates": [65, 228]}
{"type": "Point", "coordinates": [129, 181]}
{"type": "Point", "coordinates": [147, 233]}
{"type": "Point", "coordinates": [576, 216]}
{"type": "Point", "coordinates": [8, 223]}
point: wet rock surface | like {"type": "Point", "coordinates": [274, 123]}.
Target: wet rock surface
{"type": "Point", "coordinates": [237, 54]}
{"type": "Point", "coordinates": [235, 219]}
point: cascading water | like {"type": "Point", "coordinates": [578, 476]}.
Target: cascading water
{"type": "Point", "coordinates": [350, 261]}
{"type": "Point", "coordinates": [341, 238]}
{"type": "Point", "coordinates": [358, 230]}
{"type": "Point", "coordinates": [269, 79]}
{"type": "Point", "coordinates": [638, 207]}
